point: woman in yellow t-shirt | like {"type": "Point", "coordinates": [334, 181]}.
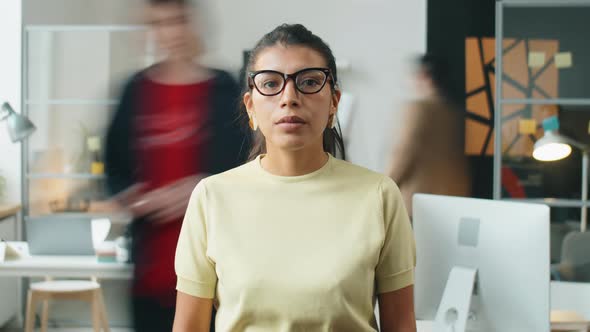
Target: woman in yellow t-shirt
{"type": "Point", "coordinates": [296, 239]}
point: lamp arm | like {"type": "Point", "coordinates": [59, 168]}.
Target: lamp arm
{"type": "Point", "coordinates": [582, 147]}
{"type": "Point", "coordinates": [578, 145]}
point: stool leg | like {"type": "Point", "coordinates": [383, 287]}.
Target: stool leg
{"type": "Point", "coordinates": [31, 306]}
{"type": "Point", "coordinates": [103, 312]}
{"type": "Point", "coordinates": [44, 316]}
{"type": "Point", "coordinates": [96, 321]}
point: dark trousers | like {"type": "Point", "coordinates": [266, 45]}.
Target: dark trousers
{"type": "Point", "coordinates": [150, 316]}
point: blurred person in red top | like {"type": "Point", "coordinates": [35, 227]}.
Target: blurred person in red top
{"type": "Point", "coordinates": [175, 124]}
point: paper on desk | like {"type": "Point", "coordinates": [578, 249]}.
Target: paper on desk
{"type": "Point", "coordinates": [12, 250]}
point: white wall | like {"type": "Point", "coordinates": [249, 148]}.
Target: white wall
{"type": "Point", "coordinates": [377, 38]}
{"type": "Point", "coordinates": [10, 90]}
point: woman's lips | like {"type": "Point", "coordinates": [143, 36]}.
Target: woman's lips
{"type": "Point", "coordinates": [291, 119]}
{"type": "Point", "coordinates": [291, 123]}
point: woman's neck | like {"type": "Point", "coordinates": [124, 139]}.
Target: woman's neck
{"type": "Point", "coordinates": [293, 163]}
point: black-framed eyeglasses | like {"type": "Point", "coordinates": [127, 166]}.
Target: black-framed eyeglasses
{"type": "Point", "coordinates": [272, 82]}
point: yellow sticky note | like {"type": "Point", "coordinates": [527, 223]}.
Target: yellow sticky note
{"type": "Point", "coordinates": [527, 126]}
{"type": "Point", "coordinates": [97, 168]}
{"type": "Point", "coordinates": [563, 60]}
{"type": "Point", "coordinates": [536, 59]}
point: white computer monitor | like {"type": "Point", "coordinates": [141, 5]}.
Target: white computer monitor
{"type": "Point", "coordinates": [504, 244]}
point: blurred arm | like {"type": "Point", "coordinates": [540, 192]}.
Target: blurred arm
{"type": "Point", "coordinates": [118, 162]}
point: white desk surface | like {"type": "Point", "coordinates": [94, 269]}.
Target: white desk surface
{"type": "Point", "coordinates": [64, 266]}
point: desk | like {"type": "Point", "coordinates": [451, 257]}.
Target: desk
{"type": "Point", "coordinates": [9, 230]}
{"type": "Point", "coordinates": [582, 326]}
{"type": "Point", "coordinates": [65, 266]}
{"type": "Point", "coordinates": [61, 266]}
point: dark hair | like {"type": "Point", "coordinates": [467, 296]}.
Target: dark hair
{"type": "Point", "coordinates": [294, 35]}
{"type": "Point", "coordinates": [437, 69]}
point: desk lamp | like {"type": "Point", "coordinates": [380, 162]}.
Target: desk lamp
{"type": "Point", "coordinates": [554, 146]}
{"type": "Point", "coordinates": [19, 126]}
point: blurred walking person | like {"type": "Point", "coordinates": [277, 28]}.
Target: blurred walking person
{"type": "Point", "coordinates": [175, 124]}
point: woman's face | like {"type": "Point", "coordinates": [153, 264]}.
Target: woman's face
{"type": "Point", "coordinates": [291, 120]}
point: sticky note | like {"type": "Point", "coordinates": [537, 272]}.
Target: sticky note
{"type": "Point", "coordinates": [563, 60]}
{"type": "Point", "coordinates": [527, 126]}
{"type": "Point", "coordinates": [93, 143]}
{"type": "Point", "coordinates": [536, 59]}
{"type": "Point", "coordinates": [588, 127]}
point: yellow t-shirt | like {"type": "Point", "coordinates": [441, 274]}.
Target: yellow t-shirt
{"type": "Point", "coordinates": [299, 253]}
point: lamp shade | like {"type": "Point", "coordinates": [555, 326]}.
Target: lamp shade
{"type": "Point", "coordinates": [551, 147]}
{"type": "Point", "coordinates": [19, 126]}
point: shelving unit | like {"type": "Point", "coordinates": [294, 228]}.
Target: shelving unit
{"type": "Point", "coordinates": [533, 85]}
{"type": "Point", "coordinates": [545, 23]}
{"type": "Point", "coordinates": [72, 75]}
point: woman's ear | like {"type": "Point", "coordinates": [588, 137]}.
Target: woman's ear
{"type": "Point", "coordinates": [335, 101]}
{"type": "Point", "coordinates": [250, 110]}
{"type": "Point", "coordinates": [248, 102]}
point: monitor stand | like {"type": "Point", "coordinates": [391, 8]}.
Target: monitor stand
{"type": "Point", "coordinates": [453, 309]}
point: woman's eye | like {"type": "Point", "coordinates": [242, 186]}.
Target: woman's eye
{"type": "Point", "coordinates": [270, 84]}
{"type": "Point", "coordinates": [310, 82]}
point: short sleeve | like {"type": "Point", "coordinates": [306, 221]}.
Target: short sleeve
{"type": "Point", "coordinates": [194, 270]}
{"type": "Point", "coordinates": [395, 269]}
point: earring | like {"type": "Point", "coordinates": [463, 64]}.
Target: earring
{"type": "Point", "coordinates": [333, 121]}
{"type": "Point", "coordinates": [253, 123]}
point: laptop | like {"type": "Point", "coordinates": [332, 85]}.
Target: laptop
{"type": "Point", "coordinates": [59, 235]}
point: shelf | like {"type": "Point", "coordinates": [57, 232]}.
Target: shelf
{"type": "Point", "coordinates": [558, 101]}
{"type": "Point", "coordinates": [84, 27]}
{"type": "Point", "coordinates": [553, 202]}
{"type": "Point", "coordinates": [101, 102]}
{"type": "Point", "coordinates": [80, 176]}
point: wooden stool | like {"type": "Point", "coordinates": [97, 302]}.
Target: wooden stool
{"type": "Point", "coordinates": [84, 290]}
